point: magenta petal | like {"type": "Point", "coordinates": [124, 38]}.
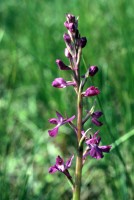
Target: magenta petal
{"type": "Point", "coordinates": [60, 117]}
{"type": "Point", "coordinates": [96, 122]}
{"type": "Point", "coordinates": [52, 169]}
{"type": "Point", "coordinates": [59, 161]}
{"type": "Point", "coordinates": [94, 139]}
{"type": "Point", "coordinates": [66, 24]}
{"type": "Point", "coordinates": [53, 121]}
{"type": "Point", "coordinates": [69, 119]}
{"type": "Point", "coordinates": [105, 148]}
{"type": "Point", "coordinates": [91, 91]}
{"type": "Point", "coordinates": [61, 65]}
{"type": "Point", "coordinates": [95, 135]}
{"type": "Point", "coordinates": [97, 114]}
{"type": "Point", "coordinates": [69, 162]}
{"type": "Point", "coordinates": [53, 132]}
{"type": "Point", "coordinates": [90, 141]}
{"type": "Point", "coordinates": [60, 164]}
{"type": "Point", "coordinates": [59, 83]}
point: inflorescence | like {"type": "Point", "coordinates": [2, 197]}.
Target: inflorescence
{"type": "Point", "coordinates": [74, 45]}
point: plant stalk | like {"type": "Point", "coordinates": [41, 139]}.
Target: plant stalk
{"type": "Point", "coordinates": [78, 170]}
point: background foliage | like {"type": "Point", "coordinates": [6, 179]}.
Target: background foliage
{"type": "Point", "coordinates": [30, 41]}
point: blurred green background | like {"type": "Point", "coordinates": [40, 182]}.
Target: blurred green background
{"type": "Point", "coordinates": [31, 39]}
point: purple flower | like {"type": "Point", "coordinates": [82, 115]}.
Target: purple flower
{"type": "Point", "coordinates": [94, 150]}
{"type": "Point", "coordinates": [95, 117]}
{"type": "Point", "coordinates": [61, 83]}
{"type": "Point", "coordinates": [59, 122]}
{"type": "Point", "coordinates": [67, 38]}
{"type": "Point", "coordinates": [83, 42]}
{"type": "Point", "coordinates": [93, 70]}
{"type": "Point", "coordinates": [61, 166]}
{"type": "Point", "coordinates": [91, 91]}
{"type": "Point", "coordinates": [61, 65]}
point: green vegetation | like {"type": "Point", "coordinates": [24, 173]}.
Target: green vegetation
{"type": "Point", "coordinates": [30, 41]}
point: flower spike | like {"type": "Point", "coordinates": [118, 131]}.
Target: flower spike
{"type": "Point", "coordinates": [74, 44]}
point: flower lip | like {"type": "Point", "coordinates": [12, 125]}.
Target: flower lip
{"type": "Point", "coordinates": [53, 132]}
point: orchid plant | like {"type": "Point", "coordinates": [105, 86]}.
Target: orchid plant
{"type": "Point", "coordinates": [73, 51]}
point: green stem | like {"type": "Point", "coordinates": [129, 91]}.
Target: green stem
{"type": "Point", "coordinates": [78, 171]}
